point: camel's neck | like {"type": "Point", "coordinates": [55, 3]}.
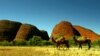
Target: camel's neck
{"type": "Point", "coordinates": [53, 40]}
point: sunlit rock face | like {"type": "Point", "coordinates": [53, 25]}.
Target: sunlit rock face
{"type": "Point", "coordinates": [64, 28]}
{"type": "Point", "coordinates": [67, 30]}
{"type": "Point", "coordinates": [26, 32]}
{"type": "Point", "coordinates": [8, 29]}
{"type": "Point", "coordinates": [87, 33]}
{"type": "Point", "coordinates": [12, 30]}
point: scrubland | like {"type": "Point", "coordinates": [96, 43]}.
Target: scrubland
{"type": "Point", "coordinates": [47, 51]}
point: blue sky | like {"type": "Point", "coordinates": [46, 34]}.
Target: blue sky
{"type": "Point", "coordinates": [45, 14]}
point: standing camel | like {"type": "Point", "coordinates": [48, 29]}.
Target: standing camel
{"type": "Point", "coordinates": [61, 41]}
{"type": "Point", "coordinates": [80, 42]}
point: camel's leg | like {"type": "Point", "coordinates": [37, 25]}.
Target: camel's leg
{"type": "Point", "coordinates": [80, 46]}
{"type": "Point", "coordinates": [75, 43]}
{"type": "Point", "coordinates": [67, 45]}
{"type": "Point", "coordinates": [58, 46]}
{"type": "Point", "coordinates": [63, 46]}
{"type": "Point", "coordinates": [89, 45]}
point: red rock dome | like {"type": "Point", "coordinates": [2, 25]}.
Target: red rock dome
{"type": "Point", "coordinates": [64, 28]}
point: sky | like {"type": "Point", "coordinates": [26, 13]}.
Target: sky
{"type": "Point", "coordinates": [45, 14]}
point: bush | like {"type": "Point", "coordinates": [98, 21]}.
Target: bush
{"type": "Point", "coordinates": [71, 42]}
{"type": "Point", "coordinates": [5, 43]}
{"type": "Point", "coordinates": [35, 40]}
{"type": "Point", "coordinates": [19, 43]}
{"type": "Point", "coordinates": [96, 43]}
{"type": "Point", "coordinates": [45, 42]}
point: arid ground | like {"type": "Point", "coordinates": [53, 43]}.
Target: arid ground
{"type": "Point", "coordinates": [47, 51]}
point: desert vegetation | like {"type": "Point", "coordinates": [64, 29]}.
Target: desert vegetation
{"type": "Point", "coordinates": [38, 47]}
{"type": "Point", "coordinates": [47, 51]}
{"type": "Point", "coordinates": [34, 41]}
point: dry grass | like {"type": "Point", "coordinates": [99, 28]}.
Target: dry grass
{"type": "Point", "coordinates": [47, 51]}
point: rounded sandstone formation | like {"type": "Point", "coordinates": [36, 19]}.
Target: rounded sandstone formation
{"type": "Point", "coordinates": [63, 29]}
{"type": "Point", "coordinates": [87, 33]}
{"type": "Point", "coordinates": [26, 32]}
{"type": "Point", "coordinates": [8, 29]}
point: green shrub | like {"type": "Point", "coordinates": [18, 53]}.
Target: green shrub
{"type": "Point", "coordinates": [71, 42]}
{"type": "Point", "coordinates": [96, 43]}
{"type": "Point", "coordinates": [5, 43]}
{"type": "Point", "coordinates": [35, 40]}
{"type": "Point", "coordinates": [45, 42]}
{"type": "Point", "coordinates": [19, 43]}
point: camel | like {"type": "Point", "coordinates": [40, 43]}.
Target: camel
{"type": "Point", "coordinates": [61, 41]}
{"type": "Point", "coordinates": [80, 42]}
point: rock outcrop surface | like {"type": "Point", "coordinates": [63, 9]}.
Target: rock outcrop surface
{"type": "Point", "coordinates": [44, 35]}
{"type": "Point", "coordinates": [11, 30]}
{"type": "Point", "coordinates": [67, 30]}
{"type": "Point", "coordinates": [26, 31]}
{"type": "Point", "coordinates": [64, 29]}
{"type": "Point", "coordinates": [87, 33]}
{"type": "Point", "coordinates": [16, 31]}
{"type": "Point", "coordinates": [8, 29]}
